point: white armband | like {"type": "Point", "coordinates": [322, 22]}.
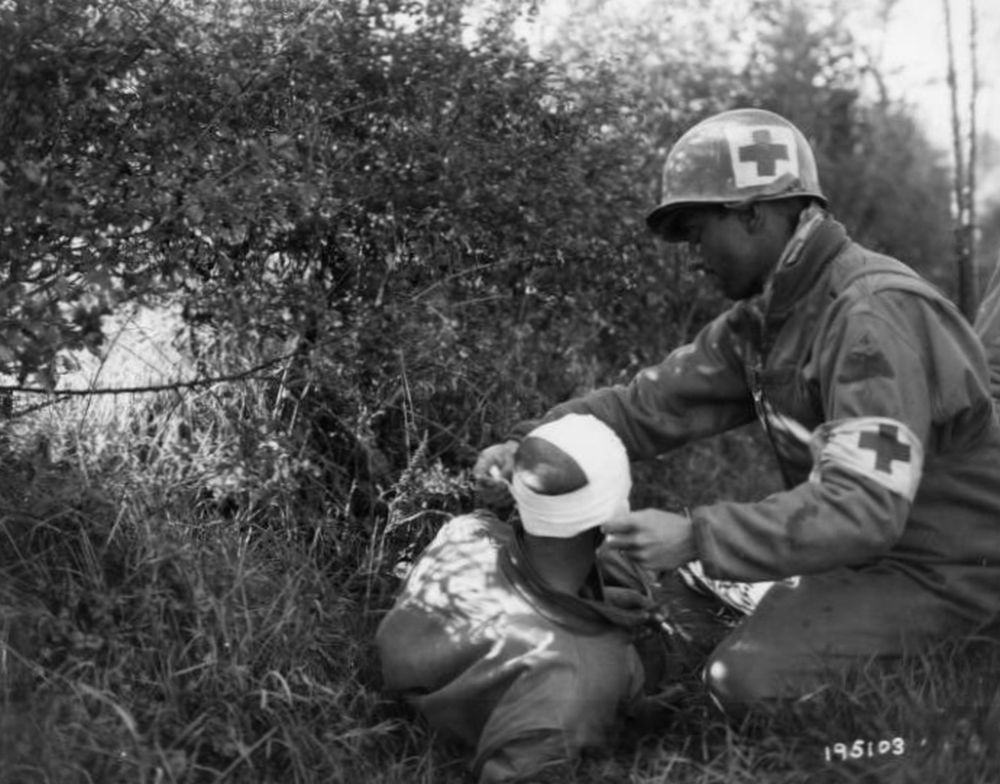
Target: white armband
{"type": "Point", "coordinates": [878, 448]}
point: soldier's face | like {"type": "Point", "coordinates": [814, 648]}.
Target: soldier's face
{"type": "Point", "coordinates": [727, 250]}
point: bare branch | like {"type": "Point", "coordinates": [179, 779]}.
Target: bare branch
{"type": "Point", "coordinates": [973, 100]}
{"type": "Point", "coordinates": [956, 120]}
{"type": "Point", "coordinates": [963, 257]}
{"type": "Point", "coordinates": [243, 375]}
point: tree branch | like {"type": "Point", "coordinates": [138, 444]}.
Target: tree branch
{"type": "Point", "coordinates": [971, 179]}
{"type": "Point", "coordinates": [146, 389]}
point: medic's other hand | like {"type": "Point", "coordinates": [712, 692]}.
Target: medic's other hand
{"type": "Point", "coordinates": [627, 598]}
{"type": "Point", "coordinates": [494, 465]}
{"type": "Point", "coordinates": [654, 539]}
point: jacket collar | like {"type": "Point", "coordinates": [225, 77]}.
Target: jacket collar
{"type": "Point", "coordinates": [817, 240]}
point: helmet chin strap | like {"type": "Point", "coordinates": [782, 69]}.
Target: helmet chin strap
{"type": "Point", "coordinates": [810, 218]}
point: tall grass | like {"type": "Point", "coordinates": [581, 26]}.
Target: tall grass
{"type": "Point", "coordinates": [190, 593]}
{"type": "Point", "coordinates": [184, 602]}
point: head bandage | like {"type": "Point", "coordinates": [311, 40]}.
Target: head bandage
{"type": "Point", "coordinates": [604, 461]}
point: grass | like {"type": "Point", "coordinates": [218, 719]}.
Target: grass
{"type": "Point", "coordinates": [192, 604]}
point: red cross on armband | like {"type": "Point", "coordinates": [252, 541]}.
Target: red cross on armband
{"type": "Point", "coordinates": [886, 446]}
{"type": "Point", "coordinates": [878, 449]}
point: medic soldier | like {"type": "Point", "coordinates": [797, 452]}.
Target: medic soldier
{"type": "Point", "coordinates": [874, 392]}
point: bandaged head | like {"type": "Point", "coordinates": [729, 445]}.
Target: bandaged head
{"type": "Point", "coordinates": [601, 456]}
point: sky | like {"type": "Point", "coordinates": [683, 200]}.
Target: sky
{"type": "Point", "coordinates": [916, 63]}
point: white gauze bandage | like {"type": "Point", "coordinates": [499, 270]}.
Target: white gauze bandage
{"type": "Point", "coordinates": [604, 461]}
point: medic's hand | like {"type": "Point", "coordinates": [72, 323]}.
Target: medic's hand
{"type": "Point", "coordinates": [494, 465]}
{"type": "Point", "coordinates": [654, 539]}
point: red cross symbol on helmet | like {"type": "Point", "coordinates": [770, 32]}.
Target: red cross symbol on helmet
{"type": "Point", "coordinates": [764, 153]}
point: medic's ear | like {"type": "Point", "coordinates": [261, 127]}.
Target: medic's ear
{"type": "Point", "coordinates": [753, 216]}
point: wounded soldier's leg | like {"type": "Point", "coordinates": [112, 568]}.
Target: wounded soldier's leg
{"type": "Point", "coordinates": [800, 638]}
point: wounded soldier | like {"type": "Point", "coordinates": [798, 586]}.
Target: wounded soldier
{"type": "Point", "coordinates": [502, 637]}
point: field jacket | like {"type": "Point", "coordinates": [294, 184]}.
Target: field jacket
{"type": "Point", "coordinates": [492, 656]}
{"type": "Point", "coordinates": [874, 391]}
{"type": "Point", "coordinates": [987, 326]}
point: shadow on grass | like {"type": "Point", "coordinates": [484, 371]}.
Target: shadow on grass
{"type": "Point", "coordinates": [931, 718]}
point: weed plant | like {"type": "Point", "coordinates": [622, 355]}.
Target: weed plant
{"type": "Point", "coordinates": [191, 587]}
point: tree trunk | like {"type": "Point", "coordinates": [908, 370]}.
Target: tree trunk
{"type": "Point", "coordinates": [963, 189]}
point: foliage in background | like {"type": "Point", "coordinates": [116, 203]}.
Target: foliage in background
{"type": "Point", "coordinates": [883, 177]}
{"type": "Point", "coordinates": [687, 60]}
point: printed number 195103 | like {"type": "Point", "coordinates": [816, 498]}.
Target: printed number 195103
{"type": "Point", "coordinates": [864, 748]}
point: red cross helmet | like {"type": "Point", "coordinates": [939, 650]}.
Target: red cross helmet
{"type": "Point", "coordinates": [733, 158]}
